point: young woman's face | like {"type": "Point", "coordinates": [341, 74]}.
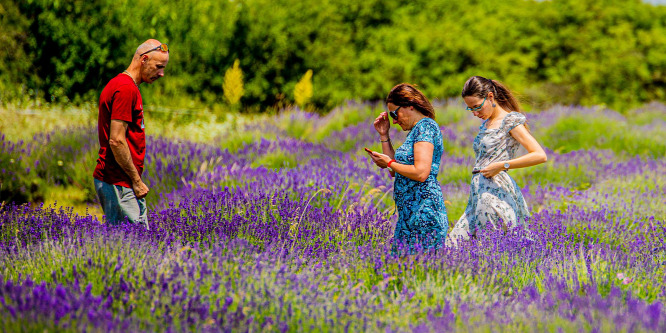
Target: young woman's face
{"type": "Point", "coordinates": [479, 107]}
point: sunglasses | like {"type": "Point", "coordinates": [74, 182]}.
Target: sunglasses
{"type": "Point", "coordinates": [162, 47]}
{"type": "Point", "coordinates": [478, 107]}
{"type": "Point", "coordinates": [394, 113]}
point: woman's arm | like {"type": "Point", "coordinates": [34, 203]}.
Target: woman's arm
{"type": "Point", "coordinates": [422, 162]}
{"type": "Point", "coordinates": [387, 146]}
{"type": "Point", "coordinates": [420, 171]}
{"type": "Point", "coordinates": [382, 126]}
{"type": "Point", "coordinates": [535, 154]}
{"type": "Point", "coordinates": [387, 149]}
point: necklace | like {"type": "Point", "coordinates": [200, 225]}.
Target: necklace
{"type": "Point", "coordinates": [492, 122]}
{"type": "Point", "coordinates": [130, 75]}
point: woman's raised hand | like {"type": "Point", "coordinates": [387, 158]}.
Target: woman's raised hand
{"type": "Point", "coordinates": [382, 124]}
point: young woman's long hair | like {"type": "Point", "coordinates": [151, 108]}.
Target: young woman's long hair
{"type": "Point", "coordinates": [405, 95]}
{"type": "Point", "coordinates": [479, 86]}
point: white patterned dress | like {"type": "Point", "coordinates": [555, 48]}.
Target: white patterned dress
{"type": "Point", "coordinates": [496, 201]}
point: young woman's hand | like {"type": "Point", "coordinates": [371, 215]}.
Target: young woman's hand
{"type": "Point", "coordinates": [492, 169]}
{"type": "Point", "coordinates": [382, 124]}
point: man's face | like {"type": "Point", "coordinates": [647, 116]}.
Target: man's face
{"type": "Point", "coordinates": [153, 65]}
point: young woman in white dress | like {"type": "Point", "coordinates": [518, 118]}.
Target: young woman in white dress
{"type": "Point", "coordinates": [495, 199]}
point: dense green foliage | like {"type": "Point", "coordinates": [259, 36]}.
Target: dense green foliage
{"type": "Point", "coordinates": [587, 52]}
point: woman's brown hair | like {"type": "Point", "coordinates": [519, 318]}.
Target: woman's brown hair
{"type": "Point", "coordinates": [479, 86]}
{"type": "Point", "coordinates": [405, 95]}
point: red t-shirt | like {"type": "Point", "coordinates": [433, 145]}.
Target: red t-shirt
{"type": "Point", "coordinates": [121, 100]}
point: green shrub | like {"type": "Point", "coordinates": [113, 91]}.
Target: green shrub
{"type": "Point", "coordinates": [568, 51]}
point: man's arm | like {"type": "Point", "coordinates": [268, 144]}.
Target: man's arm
{"type": "Point", "coordinates": [121, 152]}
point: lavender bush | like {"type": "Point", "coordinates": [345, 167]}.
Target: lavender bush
{"type": "Point", "coordinates": [291, 231]}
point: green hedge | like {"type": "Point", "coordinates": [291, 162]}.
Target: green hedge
{"type": "Point", "coordinates": [587, 52]}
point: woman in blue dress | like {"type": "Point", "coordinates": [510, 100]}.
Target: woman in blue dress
{"type": "Point", "coordinates": [495, 198]}
{"type": "Point", "coordinates": [422, 222]}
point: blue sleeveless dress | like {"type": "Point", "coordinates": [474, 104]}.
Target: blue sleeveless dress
{"type": "Point", "coordinates": [422, 222]}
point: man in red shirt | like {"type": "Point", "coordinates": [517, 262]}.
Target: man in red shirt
{"type": "Point", "coordinates": [122, 138]}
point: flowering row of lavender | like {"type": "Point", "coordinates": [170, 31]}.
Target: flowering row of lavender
{"type": "Point", "coordinates": [291, 231]}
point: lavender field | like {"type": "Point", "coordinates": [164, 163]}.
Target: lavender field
{"type": "Point", "coordinates": [281, 223]}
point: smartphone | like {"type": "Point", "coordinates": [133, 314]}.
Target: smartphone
{"type": "Point", "coordinates": [368, 150]}
{"type": "Point", "coordinates": [475, 171]}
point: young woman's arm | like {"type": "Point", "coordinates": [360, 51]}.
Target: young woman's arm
{"type": "Point", "coordinates": [535, 154]}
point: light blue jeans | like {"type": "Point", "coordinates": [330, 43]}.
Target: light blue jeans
{"type": "Point", "coordinates": [119, 202]}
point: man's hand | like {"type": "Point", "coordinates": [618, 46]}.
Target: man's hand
{"type": "Point", "coordinates": [140, 189]}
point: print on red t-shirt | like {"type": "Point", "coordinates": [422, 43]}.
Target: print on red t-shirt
{"type": "Point", "coordinates": [120, 100]}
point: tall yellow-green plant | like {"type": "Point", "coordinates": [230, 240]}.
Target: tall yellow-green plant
{"type": "Point", "coordinates": [303, 89]}
{"type": "Point", "coordinates": [233, 83]}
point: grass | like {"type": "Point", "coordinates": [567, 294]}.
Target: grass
{"type": "Point", "coordinates": [74, 197]}
{"type": "Point", "coordinates": [201, 125]}
{"type": "Point", "coordinates": [587, 132]}
{"type": "Point", "coordinates": [23, 123]}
